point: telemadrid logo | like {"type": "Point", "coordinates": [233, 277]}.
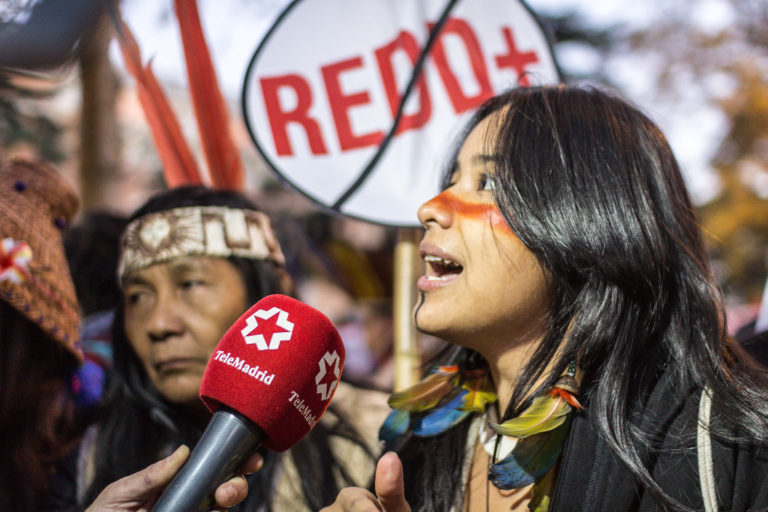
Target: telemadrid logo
{"type": "Point", "coordinates": [277, 337]}
{"type": "Point", "coordinates": [329, 365]}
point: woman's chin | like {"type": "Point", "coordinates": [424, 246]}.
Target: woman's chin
{"type": "Point", "coordinates": [434, 325]}
{"type": "Point", "coordinates": [424, 321]}
{"type": "Point", "coordinates": [181, 390]}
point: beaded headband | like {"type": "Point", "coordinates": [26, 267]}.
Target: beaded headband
{"type": "Point", "coordinates": [197, 231]}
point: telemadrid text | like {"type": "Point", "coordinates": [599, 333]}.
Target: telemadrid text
{"type": "Point", "coordinates": [306, 413]}
{"type": "Point", "coordinates": [240, 364]}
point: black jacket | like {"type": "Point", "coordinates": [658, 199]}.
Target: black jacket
{"type": "Point", "coordinates": [592, 478]}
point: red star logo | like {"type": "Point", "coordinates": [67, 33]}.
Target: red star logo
{"type": "Point", "coordinates": [328, 376]}
{"type": "Point", "coordinates": [263, 325]}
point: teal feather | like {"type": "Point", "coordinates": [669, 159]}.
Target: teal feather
{"type": "Point", "coordinates": [394, 426]}
{"type": "Point", "coordinates": [531, 458]}
{"type": "Point", "coordinates": [442, 417]}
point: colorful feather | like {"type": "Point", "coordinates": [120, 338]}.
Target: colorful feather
{"type": "Point", "coordinates": [394, 426]}
{"type": "Point", "coordinates": [531, 458]}
{"type": "Point", "coordinates": [179, 164]}
{"type": "Point", "coordinates": [224, 164]}
{"type": "Point", "coordinates": [546, 413]}
{"type": "Point", "coordinates": [442, 418]}
{"type": "Point", "coordinates": [427, 393]}
{"type": "Point", "coordinates": [480, 391]}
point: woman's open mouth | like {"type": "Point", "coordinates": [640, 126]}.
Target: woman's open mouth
{"type": "Point", "coordinates": [440, 272]}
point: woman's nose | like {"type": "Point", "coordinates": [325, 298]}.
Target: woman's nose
{"type": "Point", "coordinates": [164, 320]}
{"type": "Point", "coordinates": [437, 210]}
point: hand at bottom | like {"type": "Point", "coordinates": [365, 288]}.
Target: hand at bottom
{"type": "Point", "coordinates": [390, 491]}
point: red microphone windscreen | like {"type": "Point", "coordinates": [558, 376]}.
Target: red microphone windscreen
{"type": "Point", "coordinates": [278, 365]}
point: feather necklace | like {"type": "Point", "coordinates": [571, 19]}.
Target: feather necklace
{"type": "Point", "coordinates": [450, 394]}
{"type": "Point", "coordinates": [540, 431]}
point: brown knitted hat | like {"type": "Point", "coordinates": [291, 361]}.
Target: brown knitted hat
{"type": "Point", "coordinates": [36, 205]}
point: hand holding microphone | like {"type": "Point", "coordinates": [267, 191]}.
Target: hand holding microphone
{"type": "Point", "coordinates": [268, 382]}
{"type": "Point", "coordinates": [137, 492]}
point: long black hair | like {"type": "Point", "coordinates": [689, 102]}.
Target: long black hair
{"type": "Point", "coordinates": [139, 424]}
{"type": "Point", "coordinates": [590, 185]}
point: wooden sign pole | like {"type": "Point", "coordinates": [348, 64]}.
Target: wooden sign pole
{"type": "Point", "coordinates": [407, 269]}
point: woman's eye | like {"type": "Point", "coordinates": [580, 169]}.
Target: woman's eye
{"type": "Point", "coordinates": [134, 298]}
{"type": "Point", "coordinates": [191, 283]}
{"type": "Point", "coordinates": [487, 182]}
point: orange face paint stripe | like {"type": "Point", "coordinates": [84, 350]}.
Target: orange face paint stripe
{"type": "Point", "coordinates": [478, 211]}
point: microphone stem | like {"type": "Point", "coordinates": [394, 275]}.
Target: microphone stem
{"type": "Point", "coordinates": [227, 442]}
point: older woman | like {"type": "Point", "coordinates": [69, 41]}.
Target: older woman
{"type": "Point", "coordinates": [193, 260]}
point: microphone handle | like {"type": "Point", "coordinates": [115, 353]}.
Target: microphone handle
{"type": "Point", "coordinates": [227, 442]}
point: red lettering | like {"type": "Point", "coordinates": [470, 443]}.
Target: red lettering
{"type": "Point", "coordinates": [279, 118]}
{"type": "Point", "coordinates": [514, 59]}
{"type": "Point", "coordinates": [341, 103]}
{"type": "Point", "coordinates": [459, 99]}
{"type": "Point", "coordinates": [407, 42]}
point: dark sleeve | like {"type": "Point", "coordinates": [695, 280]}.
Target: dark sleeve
{"type": "Point", "coordinates": [741, 473]}
{"type": "Point", "coordinates": [62, 493]}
